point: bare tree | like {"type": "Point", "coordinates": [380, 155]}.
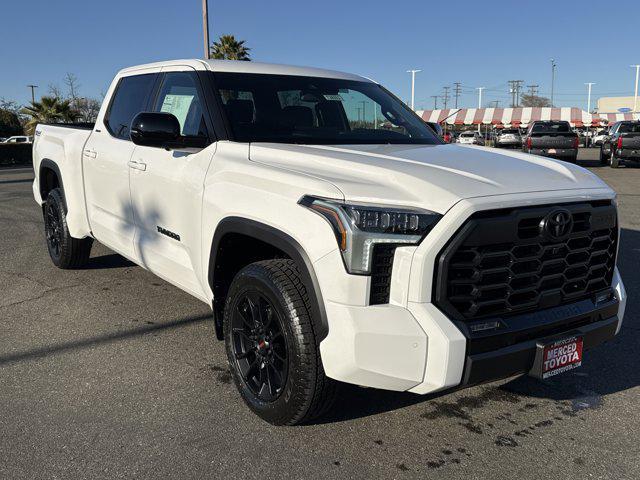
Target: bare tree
{"type": "Point", "coordinates": [87, 108]}
{"type": "Point", "coordinates": [73, 86]}
{"type": "Point", "coordinates": [535, 101]}
{"type": "Point", "coordinates": [55, 91]}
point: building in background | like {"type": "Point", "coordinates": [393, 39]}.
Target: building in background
{"type": "Point", "coordinates": [615, 104]}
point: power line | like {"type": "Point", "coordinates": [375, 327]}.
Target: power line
{"type": "Point", "coordinates": [445, 96]}
{"type": "Point", "coordinates": [33, 95]}
{"type": "Point", "coordinates": [456, 92]}
{"type": "Point", "coordinates": [435, 101]}
{"type": "Point", "coordinates": [533, 90]}
{"type": "Point", "coordinates": [515, 91]}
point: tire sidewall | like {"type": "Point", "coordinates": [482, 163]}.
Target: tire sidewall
{"type": "Point", "coordinates": [614, 161]}
{"type": "Point", "coordinates": [55, 201]}
{"type": "Point", "coordinates": [292, 399]}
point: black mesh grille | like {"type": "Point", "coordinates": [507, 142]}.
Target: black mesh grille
{"type": "Point", "coordinates": [381, 266]}
{"type": "Point", "coordinates": [503, 263]}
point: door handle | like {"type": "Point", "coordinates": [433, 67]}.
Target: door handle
{"type": "Point", "coordinates": [90, 153]}
{"type": "Point", "coordinates": [137, 165]}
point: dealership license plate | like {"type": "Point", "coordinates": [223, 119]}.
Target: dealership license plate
{"type": "Point", "coordinates": [552, 150]}
{"type": "Point", "coordinates": [561, 356]}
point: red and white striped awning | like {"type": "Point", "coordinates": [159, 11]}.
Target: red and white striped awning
{"type": "Point", "coordinates": [522, 116]}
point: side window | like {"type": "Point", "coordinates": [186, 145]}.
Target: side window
{"type": "Point", "coordinates": [130, 98]}
{"type": "Point", "coordinates": [179, 96]}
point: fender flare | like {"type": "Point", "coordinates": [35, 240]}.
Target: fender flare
{"type": "Point", "coordinates": [47, 163]}
{"type": "Point", "coordinates": [290, 247]}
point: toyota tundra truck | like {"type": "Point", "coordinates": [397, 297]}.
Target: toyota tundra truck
{"type": "Point", "coordinates": [334, 236]}
{"type": "Point", "coordinates": [553, 139]}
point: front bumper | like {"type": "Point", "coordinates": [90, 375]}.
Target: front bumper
{"type": "Point", "coordinates": [410, 345]}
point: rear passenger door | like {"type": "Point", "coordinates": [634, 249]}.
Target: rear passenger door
{"type": "Point", "coordinates": [105, 163]}
{"type": "Point", "coordinates": [167, 186]}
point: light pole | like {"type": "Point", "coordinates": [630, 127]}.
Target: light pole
{"type": "Point", "coordinates": [553, 78]}
{"type": "Point", "coordinates": [413, 85]}
{"type": "Point", "coordinates": [33, 95]}
{"type": "Point", "coordinates": [635, 96]}
{"type": "Point", "coordinates": [588, 84]}
{"type": "Point", "coordinates": [205, 28]}
{"type": "Point", "coordinates": [479, 101]}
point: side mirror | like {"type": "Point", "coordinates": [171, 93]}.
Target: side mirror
{"type": "Point", "coordinates": [155, 129]}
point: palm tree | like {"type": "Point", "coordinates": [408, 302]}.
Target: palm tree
{"type": "Point", "coordinates": [228, 48]}
{"type": "Point", "coordinates": [48, 110]}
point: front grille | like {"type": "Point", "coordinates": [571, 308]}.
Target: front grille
{"type": "Point", "coordinates": [503, 262]}
{"type": "Point", "coordinates": [381, 266]}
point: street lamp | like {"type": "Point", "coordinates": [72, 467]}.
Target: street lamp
{"type": "Point", "coordinates": [413, 86]}
{"type": "Point", "coordinates": [553, 78]}
{"type": "Point", "coordinates": [479, 102]}
{"type": "Point", "coordinates": [588, 84]}
{"type": "Point", "coordinates": [635, 96]}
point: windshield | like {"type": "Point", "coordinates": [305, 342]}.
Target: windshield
{"type": "Point", "coordinates": [311, 110]}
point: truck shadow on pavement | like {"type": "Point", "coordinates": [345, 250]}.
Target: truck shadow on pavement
{"type": "Point", "coordinates": [63, 347]}
{"type": "Point", "coordinates": [606, 369]}
{"type": "Point", "coordinates": [108, 261]}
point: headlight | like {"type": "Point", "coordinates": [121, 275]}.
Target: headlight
{"type": "Point", "coordinates": [358, 228]}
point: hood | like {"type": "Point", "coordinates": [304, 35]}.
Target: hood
{"type": "Point", "coordinates": [434, 177]}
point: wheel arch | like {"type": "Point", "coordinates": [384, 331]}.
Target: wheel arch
{"type": "Point", "coordinates": [274, 239]}
{"type": "Point", "coordinates": [50, 177]}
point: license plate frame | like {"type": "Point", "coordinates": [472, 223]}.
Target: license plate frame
{"type": "Point", "coordinates": [558, 355]}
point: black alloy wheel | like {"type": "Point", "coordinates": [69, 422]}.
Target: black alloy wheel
{"type": "Point", "coordinates": [53, 230]}
{"type": "Point", "coordinates": [258, 346]}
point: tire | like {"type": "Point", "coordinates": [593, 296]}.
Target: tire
{"type": "Point", "coordinates": [272, 347]}
{"type": "Point", "coordinates": [614, 161]}
{"type": "Point", "coordinates": [65, 251]}
{"type": "Point", "coordinates": [603, 157]}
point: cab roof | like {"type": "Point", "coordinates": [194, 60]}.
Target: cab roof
{"type": "Point", "coordinates": [236, 66]}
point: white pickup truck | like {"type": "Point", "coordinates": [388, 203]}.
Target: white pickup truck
{"type": "Point", "coordinates": [332, 233]}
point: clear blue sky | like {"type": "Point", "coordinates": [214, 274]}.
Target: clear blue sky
{"type": "Point", "coordinates": [476, 43]}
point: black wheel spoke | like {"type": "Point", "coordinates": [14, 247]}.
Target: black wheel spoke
{"type": "Point", "coordinates": [258, 345]}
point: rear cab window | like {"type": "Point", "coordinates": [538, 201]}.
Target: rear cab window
{"type": "Point", "coordinates": [629, 128]}
{"type": "Point", "coordinates": [551, 127]}
{"type": "Point", "coordinates": [130, 98]}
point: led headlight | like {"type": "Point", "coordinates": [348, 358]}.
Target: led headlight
{"type": "Point", "coordinates": [359, 227]}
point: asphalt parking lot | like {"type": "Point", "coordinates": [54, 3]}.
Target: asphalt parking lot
{"type": "Point", "coordinates": [109, 372]}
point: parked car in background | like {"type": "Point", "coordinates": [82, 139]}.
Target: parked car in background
{"type": "Point", "coordinates": [19, 139]}
{"type": "Point", "coordinates": [471, 138]}
{"type": "Point", "coordinates": [449, 136]}
{"type": "Point", "coordinates": [436, 128]}
{"type": "Point", "coordinates": [599, 136]}
{"type": "Point", "coordinates": [508, 137]}
{"type": "Point", "coordinates": [622, 144]}
{"type": "Point", "coordinates": [552, 139]}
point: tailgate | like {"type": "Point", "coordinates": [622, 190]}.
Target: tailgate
{"type": "Point", "coordinates": [553, 141]}
{"type": "Point", "coordinates": [631, 141]}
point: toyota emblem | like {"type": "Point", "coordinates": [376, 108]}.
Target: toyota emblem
{"type": "Point", "coordinates": [557, 224]}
